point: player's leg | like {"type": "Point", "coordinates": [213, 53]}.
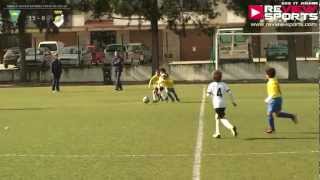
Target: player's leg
{"type": "Point", "coordinates": [155, 96]}
{"type": "Point", "coordinates": [119, 81]}
{"type": "Point", "coordinates": [282, 114]}
{"type": "Point", "coordinates": [54, 83]}
{"type": "Point", "coordinates": [175, 94]}
{"type": "Point", "coordinates": [217, 132]}
{"type": "Point", "coordinates": [226, 122]}
{"type": "Point", "coordinates": [58, 83]}
{"type": "Point", "coordinates": [163, 94]}
{"type": "Point", "coordinates": [158, 93]}
{"type": "Point", "coordinates": [270, 118]}
{"type": "Point", "coordinates": [287, 115]}
{"type": "Point", "coordinates": [116, 83]}
{"type": "Point", "coordinates": [169, 93]}
{"type": "Point", "coordinates": [272, 108]}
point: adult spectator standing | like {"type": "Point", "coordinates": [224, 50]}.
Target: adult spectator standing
{"type": "Point", "coordinates": [117, 63]}
{"type": "Point", "coordinates": [56, 69]}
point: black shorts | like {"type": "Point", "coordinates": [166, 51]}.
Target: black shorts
{"type": "Point", "coordinates": [221, 112]}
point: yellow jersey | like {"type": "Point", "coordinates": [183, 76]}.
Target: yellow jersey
{"type": "Point", "coordinates": [273, 88]}
{"type": "Point", "coordinates": [165, 82]}
{"type": "Point", "coordinates": [154, 80]}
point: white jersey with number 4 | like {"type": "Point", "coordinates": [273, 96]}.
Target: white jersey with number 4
{"type": "Point", "coordinates": [217, 90]}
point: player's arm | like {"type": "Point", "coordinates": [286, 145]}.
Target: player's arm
{"type": "Point", "coordinates": [209, 91]}
{"type": "Point", "coordinates": [231, 97]}
{"type": "Point", "coordinates": [151, 81]}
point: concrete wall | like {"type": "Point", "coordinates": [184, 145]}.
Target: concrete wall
{"type": "Point", "coordinates": [92, 74]}
{"type": "Point", "coordinates": [178, 72]}
{"type": "Point", "coordinates": [242, 71]}
{"type": "Point", "coordinates": [136, 73]}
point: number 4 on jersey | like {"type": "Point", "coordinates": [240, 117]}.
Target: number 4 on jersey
{"type": "Point", "coordinates": [219, 93]}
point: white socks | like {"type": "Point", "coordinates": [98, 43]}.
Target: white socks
{"type": "Point", "coordinates": [154, 97]}
{"type": "Point", "coordinates": [217, 126]}
{"type": "Point", "coordinates": [225, 123]}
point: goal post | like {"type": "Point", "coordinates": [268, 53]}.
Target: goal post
{"type": "Point", "coordinates": [229, 35]}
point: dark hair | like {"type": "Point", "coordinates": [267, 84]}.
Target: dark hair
{"type": "Point", "coordinates": [271, 72]}
{"type": "Point", "coordinates": [163, 70]}
{"type": "Point", "coordinates": [217, 76]}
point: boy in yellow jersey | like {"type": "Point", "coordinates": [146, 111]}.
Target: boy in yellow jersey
{"type": "Point", "coordinates": [154, 83]}
{"type": "Point", "coordinates": [274, 101]}
{"type": "Point", "coordinates": [167, 84]}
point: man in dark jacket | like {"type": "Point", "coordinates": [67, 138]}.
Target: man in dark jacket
{"type": "Point", "coordinates": [117, 63]}
{"type": "Point", "coordinates": [56, 69]}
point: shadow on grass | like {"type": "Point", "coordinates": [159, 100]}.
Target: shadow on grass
{"type": "Point", "coordinates": [305, 132]}
{"type": "Point", "coordinates": [26, 109]}
{"type": "Point", "coordinates": [280, 138]}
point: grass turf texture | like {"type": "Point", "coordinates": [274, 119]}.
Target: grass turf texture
{"type": "Point", "coordinates": [92, 133]}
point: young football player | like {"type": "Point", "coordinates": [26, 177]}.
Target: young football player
{"type": "Point", "coordinates": [168, 85]}
{"type": "Point", "coordinates": [154, 83]}
{"type": "Point", "coordinates": [161, 85]}
{"type": "Point", "coordinates": [217, 90]}
{"type": "Point", "coordinates": [274, 101]}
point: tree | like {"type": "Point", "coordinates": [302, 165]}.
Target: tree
{"type": "Point", "coordinates": [176, 13]}
{"type": "Point", "coordinates": [241, 8]}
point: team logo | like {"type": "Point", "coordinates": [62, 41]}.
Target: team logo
{"type": "Point", "coordinates": [58, 18]}
{"type": "Point", "coordinates": [14, 15]}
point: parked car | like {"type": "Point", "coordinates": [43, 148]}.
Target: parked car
{"type": "Point", "coordinates": [98, 57]}
{"type": "Point", "coordinates": [37, 57]}
{"type": "Point", "coordinates": [277, 51]}
{"type": "Point", "coordinates": [111, 48]}
{"type": "Point", "coordinates": [11, 56]}
{"type": "Point", "coordinates": [72, 56]}
{"type": "Point", "coordinates": [138, 52]}
{"type": "Point", "coordinates": [55, 47]}
{"type": "Point", "coordinates": [132, 52]}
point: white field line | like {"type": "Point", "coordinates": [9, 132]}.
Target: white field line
{"type": "Point", "coordinates": [101, 156]}
{"type": "Point", "coordinates": [198, 148]}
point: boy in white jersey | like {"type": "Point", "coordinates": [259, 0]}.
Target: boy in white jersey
{"type": "Point", "coordinates": [217, 90]}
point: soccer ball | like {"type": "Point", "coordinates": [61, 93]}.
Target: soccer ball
{"type": "Point", "coordinates": [146, 99]}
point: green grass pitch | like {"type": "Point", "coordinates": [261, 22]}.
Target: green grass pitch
{"type": "Point", "coordinates": [93, 133]}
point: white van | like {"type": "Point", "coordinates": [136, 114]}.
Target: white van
{"type": "Point", "coordinates": [55, 47]}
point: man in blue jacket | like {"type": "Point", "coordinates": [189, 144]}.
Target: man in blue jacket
{"type": "Point", "coordinates": [56, 69]}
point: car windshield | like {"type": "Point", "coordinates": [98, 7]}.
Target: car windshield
{"type": "Point", "coordinates": [134, 48]}
{"type": "Point", "coordinates": [278, 45]}
{"type": "Point", "coordinates": [13, 51]}
{"type": "Point", "coordinates": [113, 48]}
{"type": "Point", "coordinates": [52, 47]}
